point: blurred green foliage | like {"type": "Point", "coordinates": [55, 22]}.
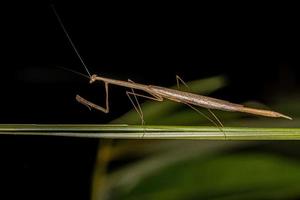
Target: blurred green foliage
{"type": "Point", "coordinates": [155, 169]}
{"type": "Point", "coordinates": [232, 176]}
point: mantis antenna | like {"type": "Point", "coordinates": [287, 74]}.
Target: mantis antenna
{"type": "Point", "coordinates": [70, 40]}
{"type": "Point", "coordinates": [75, 72]}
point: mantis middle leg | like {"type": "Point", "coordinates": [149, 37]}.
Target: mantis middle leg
{"type": "Point", "coordinates": [137, 105]}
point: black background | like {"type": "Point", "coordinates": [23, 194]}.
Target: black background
{"type": "Point", "coordinates": [255, 46]}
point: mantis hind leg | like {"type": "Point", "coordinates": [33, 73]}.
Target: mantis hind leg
{"type": "Point", "coordinates": [95, 106]}
{"type": "Point", "coordinates": [215, 116]}
{"type": "Point", "coordinates": [218, 124]}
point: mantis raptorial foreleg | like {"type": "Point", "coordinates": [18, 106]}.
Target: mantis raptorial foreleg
{"type": "Point", "coordinates": [95, 106]}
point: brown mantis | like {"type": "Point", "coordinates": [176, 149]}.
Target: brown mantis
{"type": "Point", "coordinates": [159, 93]}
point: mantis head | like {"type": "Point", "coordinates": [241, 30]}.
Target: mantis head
{"type": "Point", "coordinates": [93, 78]}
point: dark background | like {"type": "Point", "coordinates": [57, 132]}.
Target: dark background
{"type": "Point", "coordinates": [255, 46]}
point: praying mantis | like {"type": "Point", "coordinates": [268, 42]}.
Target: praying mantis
{"type": "Point", "coordinates": [160, 94]}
